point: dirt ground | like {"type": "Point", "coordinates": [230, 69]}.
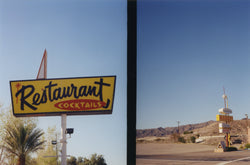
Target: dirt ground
{"type": "Point", "coordinates": [158, 148]}
{"type": "Point", "coordinates": [184, 154]}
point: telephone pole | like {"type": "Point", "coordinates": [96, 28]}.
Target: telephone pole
{"type": "Point", "coordinates": [247, 119]}
{"type": "Point", "coordinates": [178, 130]}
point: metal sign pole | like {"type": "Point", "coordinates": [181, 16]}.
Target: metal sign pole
{"type": "Point", "coordinates": [63, 140]}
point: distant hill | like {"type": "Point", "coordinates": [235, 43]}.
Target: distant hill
{"type": "Point", "coordinates": [205, 129]}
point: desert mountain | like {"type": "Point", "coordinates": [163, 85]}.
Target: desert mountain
{"type": "Point", "coordinates": [209, 128]}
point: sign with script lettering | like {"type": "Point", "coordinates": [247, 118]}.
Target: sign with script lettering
{"type": "Point", "coordinates": [71, 96]}
{"type": "Point", "coordinates": [224, 118]}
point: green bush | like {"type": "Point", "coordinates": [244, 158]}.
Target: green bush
{"type": "Point", "coordinates": [247, 145]}
{"type": "Point", "coordinates": [231, 149]}
{"type": "Point", "coordinates": [181, 139]}
{"type": "Point", "coordinates": [188, 132]}
{"type": "Point", "coordinates": [192, 138]}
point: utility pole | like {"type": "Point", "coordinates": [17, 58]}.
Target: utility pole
{"type": "Point", "coordinates": [178, 130]}
{"type": "Point", "coordinates": [247, 119]}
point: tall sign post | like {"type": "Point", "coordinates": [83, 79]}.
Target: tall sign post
{"type": "Point", "coordinates": [62, 97]}
{"type": "Point", "coordinates": [225, 118]}
{"type": "Point", "coordinates": [64, 140]}
{"type": "Point", "coordinates": [42, 74]}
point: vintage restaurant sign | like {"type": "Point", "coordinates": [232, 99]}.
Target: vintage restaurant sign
{"type": "Point", "coordinates": [224, 118]}
{"type": "Point", "coordinates": [71, 96]}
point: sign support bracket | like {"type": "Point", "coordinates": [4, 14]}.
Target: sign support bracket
{"type": "Point", "coordinates": [64, 139]}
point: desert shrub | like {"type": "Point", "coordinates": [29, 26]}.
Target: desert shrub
{"type": "Point", "coordinates": [241, 147]}
{"type": "Point", "coordinates": [237, 141]}
{"type": "Point", "coordinates": [141, 141]}
{"type": "Point", "coordinates": [158, 140]}
{"type": "Point", "coordinates": [247, 145]}
{"type": "Point", "coordinates": [181, 139]}
{"type": "Point", "coordinates": [192, 138]}
{"type": "Point", "coordinates": [231, 149]}
{"type": "Point", "coordinates": [188, 132]}
{"type": "Point", "coordinates": [174, 137]}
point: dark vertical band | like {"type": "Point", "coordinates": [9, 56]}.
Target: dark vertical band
{"type": "Point", "coordinates": [131, 80]}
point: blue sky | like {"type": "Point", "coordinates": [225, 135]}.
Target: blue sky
{"type": "Point", "coordinates": [187, 51]}
{"type": "Point", "coordinates": [82, 38]}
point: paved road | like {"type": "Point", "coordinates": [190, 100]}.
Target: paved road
{"type": "Point", "coordinates": [189, 156]}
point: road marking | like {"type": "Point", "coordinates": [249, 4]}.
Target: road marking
{"type": "Point", "coordinates": [223, 163]}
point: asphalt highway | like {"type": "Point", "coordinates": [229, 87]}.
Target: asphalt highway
{"type": "Point", "coordinates": [195, 158]}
